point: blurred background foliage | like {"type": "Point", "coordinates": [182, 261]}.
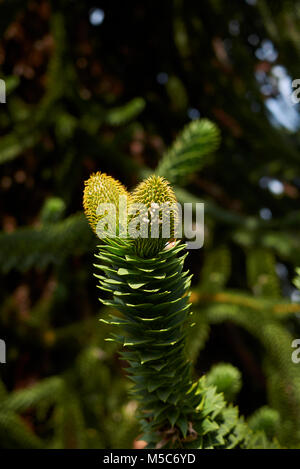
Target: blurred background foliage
{"type": "Point", "coordinates": [108, 86]}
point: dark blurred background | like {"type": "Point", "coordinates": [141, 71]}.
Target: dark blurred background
{"type": "Point", "coordinates": [108, 86]}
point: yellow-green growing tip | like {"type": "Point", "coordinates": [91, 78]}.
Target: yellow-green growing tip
{"type": "Point", "coordinates": [99, 189]}
{"type": "Point", "coordinates": [155, 189]}
{"type": "Point", "coordinates": [158, 197]}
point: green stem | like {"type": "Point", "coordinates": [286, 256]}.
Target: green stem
{"type": "Point", "coordinates": [152, 296]}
